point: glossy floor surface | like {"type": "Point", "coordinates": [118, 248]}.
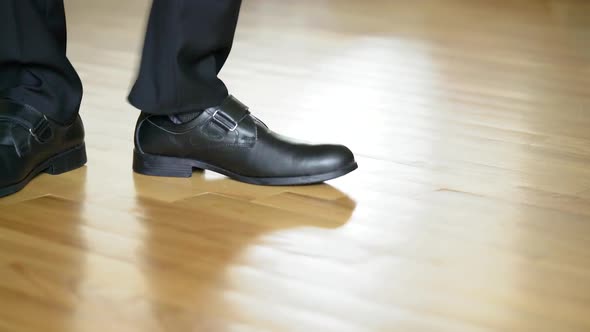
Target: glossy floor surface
{"type": "Point", "coordinates": [470, 210]}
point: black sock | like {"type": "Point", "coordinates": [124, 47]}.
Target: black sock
{"type": "Point", "coordinates": [181, 118]}
{"type": "Point", "coordinates": [184, 117]}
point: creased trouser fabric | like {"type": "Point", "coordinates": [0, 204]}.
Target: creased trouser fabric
{"type": "Point", "coordinates": [34, 68]}
{"type": "Point", "coordinates": [186, 44]}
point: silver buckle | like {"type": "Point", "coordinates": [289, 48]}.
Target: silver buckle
{"type": "Point", "coordinates": [41, 127]}
{"type": "Point", "coordinates": [223, 120]}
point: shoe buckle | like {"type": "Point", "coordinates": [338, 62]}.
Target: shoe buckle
{"type": "Point", "coordinates": [42, 131]}
{"type": "Point", "coordinates": [224, 120]}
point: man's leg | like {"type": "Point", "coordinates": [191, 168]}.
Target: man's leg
{"type": "Point", "coordinates": [186, 44]}
{"type": "Point", "coordinates": [188, 119]}
{"type": "Point", "coordinates": [34, 68]}
{"type": "Point", "coordinates": [39, 95]}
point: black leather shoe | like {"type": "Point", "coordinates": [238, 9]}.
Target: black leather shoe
{"type": "Point", "coordinates": [230, 141]}
{"type": "Point", "coordinates": [30, 144]}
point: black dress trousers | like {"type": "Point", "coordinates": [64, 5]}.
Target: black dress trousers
{"type": "Point", "coordinates": [186, 44]}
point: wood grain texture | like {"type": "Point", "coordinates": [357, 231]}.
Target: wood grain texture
{"type": "Point", "coordinates": [470, 210]}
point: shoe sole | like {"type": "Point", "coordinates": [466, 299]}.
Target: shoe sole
{"type": "Point", "coordinates": [58, 164]}
{"type": "Point", "coordinates": [154, 165]}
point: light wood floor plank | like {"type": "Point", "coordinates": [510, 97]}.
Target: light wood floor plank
{"type": "Point", "coordinates": [470, 211]}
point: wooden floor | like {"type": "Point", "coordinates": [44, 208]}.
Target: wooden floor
{"type": "Point", "coordinates": [470, 211]}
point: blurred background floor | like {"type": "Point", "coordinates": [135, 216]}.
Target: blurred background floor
{"type": "Point", "coordinates": [470, 210]}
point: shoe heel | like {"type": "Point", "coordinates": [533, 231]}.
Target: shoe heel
{"type": "Point", "coordinates": [147, 164]}
{"type": "Point", "coordinates": [68, 161]}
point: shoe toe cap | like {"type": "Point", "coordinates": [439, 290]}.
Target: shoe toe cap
{"type": "Point", "coordinates": [329, 158]}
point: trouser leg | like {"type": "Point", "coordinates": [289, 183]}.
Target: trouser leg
{"type": "Point", "coordinates": [34, 68]}
{"type": "Point", "coordinates": [186, 44]}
